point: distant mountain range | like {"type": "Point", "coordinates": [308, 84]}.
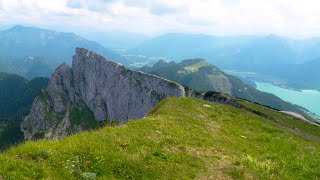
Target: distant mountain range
{"type": "Point", "coordinates": [200, 75]}
{"type": "Point", "coordinates": [271, 55]}
{"type": "Point", "coordinates": [29, 67]}
{"type": "Point", "coordinates": [19, 42]}
{"type": "Point", "coordinates": [117, 41]}
{"type": "Point", "coordinates": [296, 76]}
{"type": "Point", "coordinates": [300, 76]}
{"type": "Point", "coordinates": [229, 52]}
{"type": "Point", "coordinates": [33, 52]}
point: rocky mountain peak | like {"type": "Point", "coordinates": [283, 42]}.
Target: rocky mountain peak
{"type": "Point", "coordinates": [105, 88]}
{"type": "Point", "coordinates": [88, 55]}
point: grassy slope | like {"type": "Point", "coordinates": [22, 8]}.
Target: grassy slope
{"type": "Point", "coordinates": [180, 138]}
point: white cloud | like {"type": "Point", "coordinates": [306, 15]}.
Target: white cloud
{"type": "Point", "coordinates": [226, 17]}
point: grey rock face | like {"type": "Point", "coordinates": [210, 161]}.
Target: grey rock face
{"type": "Point", "coordinates": [59, 87]}
{"type": "Point", "coordinates": [30, 127]}
{"type": "Point", "coordinates": [109, 90]}
{"type": "Point", "coordinates": [115, 93]}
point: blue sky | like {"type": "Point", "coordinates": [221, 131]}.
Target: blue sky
{"type": "Point", "coordinates": [295, 18]}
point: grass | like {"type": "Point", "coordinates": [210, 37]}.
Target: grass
{"type": "Point", "coordinates": [182, 138]}
{"type": "Point", "coordinates": [83, 117]}
{"type": "Point", "coordinates": [194, 67]}
{"type": "Point", "coordinates": [286, 120]}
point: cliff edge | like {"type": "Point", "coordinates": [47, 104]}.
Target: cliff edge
{"type": "Point", "coordinates": [94, 89]}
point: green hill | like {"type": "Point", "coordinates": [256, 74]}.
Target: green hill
{"type": "Point", "coordinates": [182, 138]}
{"type": "Point", "coordinates": [16, 96]}
{"type": "Point", "coordinates": [200, 75]}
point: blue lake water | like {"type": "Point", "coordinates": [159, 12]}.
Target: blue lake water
{"type": "Point", "coordinates": [309, 99]}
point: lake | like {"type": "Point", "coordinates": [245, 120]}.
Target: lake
{"type": "Point", "coordinates": [309, 99]}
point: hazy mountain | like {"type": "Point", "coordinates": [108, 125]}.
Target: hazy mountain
{"type": "Point", "coordinates": [300, 76]}
{"type": "Point", "coordinates": [177, 47]}
{"type": "Point", "coordinates": [200, 75]}
{"type": "Point", "coordinates": [118, 41]}
{"type": "Point", "coordinates": [307, 49]}
{"type": "Point", "coordinates": [238, 52]}
{"type": "Point", "coordinates": [29, 67]}
{"type": "Point", "coordinates": [263, 51]}
{"type": "Point", "coordinates": [265, 55]}
{"type": "Point", "coordinates": [18, 42]}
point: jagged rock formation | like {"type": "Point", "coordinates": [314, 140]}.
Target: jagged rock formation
{"type": "Point", "coordinates": [97, 89]}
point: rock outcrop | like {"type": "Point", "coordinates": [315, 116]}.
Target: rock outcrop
{"type": "Point", "coordinates": [95, 87]}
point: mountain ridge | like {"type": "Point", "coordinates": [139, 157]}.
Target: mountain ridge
{"type": "Point", "coordinates": [200, 75]}
{"type": "Point", "coordinates": [27, 41]}
{"type": "Point", "coordinates": [107, 89]}
{"type": "Point", "coordinates": [269, 55]}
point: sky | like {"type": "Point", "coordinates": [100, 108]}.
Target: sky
{"type": "Point", "coordinates": [293, 18]}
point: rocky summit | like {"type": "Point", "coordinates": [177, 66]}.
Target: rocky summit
{"type": "Point", "coordinates": [94, 90]}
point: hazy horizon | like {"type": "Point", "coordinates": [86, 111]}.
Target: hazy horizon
{"type": "Point", "coordinates": [89, 34]}
{"type": "Point", "coordinates": [294, 19]}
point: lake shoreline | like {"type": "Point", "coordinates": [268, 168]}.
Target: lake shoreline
{"type": "Point", "coordinates": [309, 99]}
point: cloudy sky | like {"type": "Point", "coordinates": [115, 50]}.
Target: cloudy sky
{"type": "Point", "coordinates": [219, 17]}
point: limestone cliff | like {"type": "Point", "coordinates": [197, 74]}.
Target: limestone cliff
{"type": "Point", "coordinates": [94, 88]}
